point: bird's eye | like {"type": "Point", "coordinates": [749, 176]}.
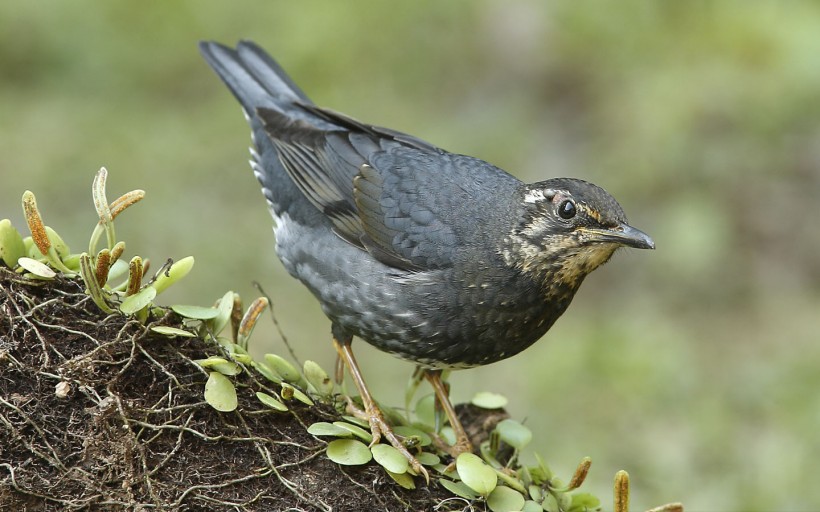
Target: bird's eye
{"type": "Point", "coordinates": [567, 209]}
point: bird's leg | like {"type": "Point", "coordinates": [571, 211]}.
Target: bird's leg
{"type": "Point", "coordinates": [463, 443]}
{"type": "Point", "coordinates": [378, 425]}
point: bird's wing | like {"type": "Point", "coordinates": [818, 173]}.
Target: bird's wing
{"type": "Point", "coordinates": [381, 189]}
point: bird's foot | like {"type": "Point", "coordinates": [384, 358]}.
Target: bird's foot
{"type": "Point", "coordinates": [380, 428]}
{"type": "Point", "coordinates": [462, 445]}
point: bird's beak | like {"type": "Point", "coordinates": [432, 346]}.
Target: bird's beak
{"type": "Point", "coordinates": [623, 234]}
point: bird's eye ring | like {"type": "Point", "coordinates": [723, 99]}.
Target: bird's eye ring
{"type": "Point", "coordinates": [566, 210]}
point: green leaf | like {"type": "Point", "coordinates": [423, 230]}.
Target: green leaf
{"type": "Point", "coordinates": [318, 378]}
{"type": "Point", "coordinates": [514, 433]}
{"type": "Point", "coordinates": [403, 479]}
{"type": "Point", "coordinates": [323, 428]}
{"type": "Point", "coordinates": [511, 481]}
{"type": "Point", "coordinates": [271, 402]}
{"type": "Point", "coordinates": [57, 242]}
{"type": "Point", "coordinates": [348, 452]}
{"type": "Point", "coordinates": [119, 268]}
{"type": "Point", "coordinates": [12, 247]}
{"type": "Point", "coordinates": [540, 474]}
{"type": "Point", "coordinates": [582, 501]}
{"type": "Point", "coordinates": [220, 392]}
{"type": "Point", "coordinates": [448, 435]}
{"type": "Point", "coordinates": [357, 431]}
{"type": "Point", "coordinates": [356, 421]}
{"type": "Point", "coordinates": [37, 268]}
{"type": "Point", "coordinates": [138, 301]}
{"type": "Point", "coordinates": [280, 366]}
{"type": "Point", "coordinates": [195, 312]}
{"type": "Point", "coordinates": [532, 506]}
{"type": "Point", "coordinates": [221, 365]}
{"type": "Point", "coordinates": [504, 499]}
{"type": "Point", "coordinates": [487, 400]}
{"type": "Point", "coordinates": [428, 459]}
{"type": "Point", "coordinates": [93, 287]}
{"type": "Point", "coordinates": [405, 431]}
{"type": "Point", "coordinates": [564, 500]}
{"type": "Point", "coordinates": [225, 307]}
{"type": "Point", "coordinates": [72, 261]}
{"type": "Point", "coordinates": [459, 489]}
{"type": "Point", "coordinates": [266, 372]}
{"type": "Point", "coordinates": [239, 354]}
{"type": "Point", "coordinates": [550, 504]}
{"type": "Point", "coordinates": [425, 410]}
{"type": "Point", "coordinates": [476, 474]}
{"type": "Point", "coordinates": [390, 458]}
{"type": "Point", "coordinates": [297, 394]}
{"type": "Point", "coordinates": [174, 273]}
{"type": "Point", "coordinates": [167, 330]}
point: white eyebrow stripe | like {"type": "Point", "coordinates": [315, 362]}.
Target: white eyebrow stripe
{"type": "Point", "coordinates": [536, 195]}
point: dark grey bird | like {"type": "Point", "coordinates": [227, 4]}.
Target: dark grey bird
{"type": "Point", "coordinates": [441, 259]}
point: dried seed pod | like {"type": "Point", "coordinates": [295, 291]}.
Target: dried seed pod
{"type": "Point", "coordinates": [35, 222]}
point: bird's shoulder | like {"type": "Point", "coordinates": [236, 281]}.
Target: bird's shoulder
{"type": "Point", "coordinates": [408, 203]}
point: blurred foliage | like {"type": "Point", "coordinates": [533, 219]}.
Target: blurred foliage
{"type": "Point", "coordinates": [694, 367]}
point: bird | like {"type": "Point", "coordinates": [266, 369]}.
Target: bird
{"type": "Point", "coordinates": [438, 258]}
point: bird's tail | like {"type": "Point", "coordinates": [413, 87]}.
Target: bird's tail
{"type": "Point", "coordinates": [253, 77]}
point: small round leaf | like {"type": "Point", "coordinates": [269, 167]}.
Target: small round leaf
{"type": "Point", "coordinates": [266, 372]}
{"type": "Point", "coordinates": [487, 400]}
{"type": "Point", "coordinates": [357, 431]}
{"type": "Point", "coordinates": [403, 479]}
{"type": "Point", "coordinates": [323, 428]}
{"type": "Point", "coordinates": [297, 394]}
{"type": "Point", "coordinates": [584, 501]}
{"type": "Point", "coordinates": [172, 274]}
{"type": "Point", "coordinates": [271, 402]}
{"type": "Point", "coordinates": [532, 506]}
{"type": "Point", "coordinates": [348, 452]}
{"type": "Point", "coordinates": [11, 244]}
{"type": "Point", "coordinates": [425, 410]}
{"type": "Point", "coordinates": [57, 242]}
{"type": "Point", "coordinates": [428, 459]}
{"type": "Point", "coordinates": [220, 392]}
{"type": "Point", "coordinates": [119, 268]}
{"type": "Point", "coordinates": [220, 364]}
{"type": "Point", "coordinates": [225, 307]}
{"type": "Point", "coordinates": [550, 504]}
{"type": "Point", "coordinates": [138, 301]}
{"type": "Point", "coordinates": [514, 433]}
{"type": "Point", "coordinates": [279, 365]}
{"type": "Point", "coordinates": [505, 499]}
{"type": "Point", "coordinates": [318, 378]}
{"type": "Point", "coordinates": [424, 438]}
{"type": "Point", "coordinates": [476, 474]}
{"type": "Point", "coordinates": [195, 312]}
{"type": "Point", "coordinates": [390, 458]}
{"type": "Point", "coordinates": [448, 435]}
{"type": "Point", "coordinates": [172, 331]}
{"type": "Point", "coordinates": [37, 268]}
{"type": "Point", "coordinates": [459, 489]}
{"type": "Point", "coordinates": [356, 421]}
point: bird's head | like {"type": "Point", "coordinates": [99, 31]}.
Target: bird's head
{"type": "Point", "coordinates": [567, 228]}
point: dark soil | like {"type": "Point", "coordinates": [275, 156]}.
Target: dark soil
{"type": "Point", "coordinates": [99, 413]}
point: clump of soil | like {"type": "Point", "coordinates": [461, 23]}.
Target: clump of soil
{"type": "Point", "coordinates": [99, 413]}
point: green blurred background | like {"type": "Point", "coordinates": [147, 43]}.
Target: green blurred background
{"type": "Point", "coordinates": [694, 367]}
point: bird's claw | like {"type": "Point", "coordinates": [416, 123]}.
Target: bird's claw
{"type": "Point", "coordinates": [462, 445]}
{"type": "Point", "coordinates": [380, 428]}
